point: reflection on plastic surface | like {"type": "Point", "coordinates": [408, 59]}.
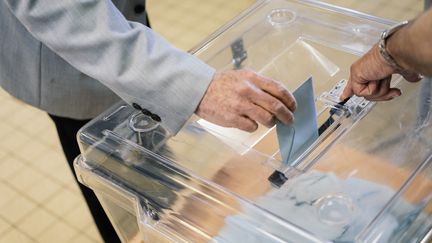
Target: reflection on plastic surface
{"type": "Point", "coordinates": [239, 140]}
{"type": "Point", "coordinates": [326, 205]}
{"type": "Point", "coordinates": [300, 56]}
{"type": "Point", "coordinates": [367, 175]}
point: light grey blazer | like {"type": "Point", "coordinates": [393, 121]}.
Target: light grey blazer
{"type": "Point", "coordinates": [70, 58]}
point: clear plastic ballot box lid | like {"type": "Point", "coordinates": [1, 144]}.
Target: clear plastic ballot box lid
{"type": "Point", "coordinates": [365, 177]}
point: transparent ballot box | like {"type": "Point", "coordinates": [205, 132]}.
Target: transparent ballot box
{"type": "Point", "coordinates": [364, 176]}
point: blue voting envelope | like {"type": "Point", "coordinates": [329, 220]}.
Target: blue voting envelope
{"type": "Point", "coordinates": [294, 139]}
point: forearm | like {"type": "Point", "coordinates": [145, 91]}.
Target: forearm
{"type": "Point", "coordinates": [411, 46]}
{"type": "Point", "coordinates": [136, 63]}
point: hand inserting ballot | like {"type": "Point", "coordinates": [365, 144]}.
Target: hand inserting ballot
{"type": "Point", "coordinates": [403, 49]}
{"type": "Point", "coordinates": [243, 98]}
{"type": "Point", "coordinates": [371, 75]}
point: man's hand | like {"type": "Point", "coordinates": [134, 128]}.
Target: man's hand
{"type": "Point", "coordinates": [370, 78]}
{"type": "Point", "coordinates": [241, 98]}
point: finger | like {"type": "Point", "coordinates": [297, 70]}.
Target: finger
{"type": "Point", "coordinates": [244, 123]}
{"type": "Point", "coordinates": [359, 89]}
{"type": "Point", "coordinates": [382, 88]}
{"type": "Point", "coordinates": [384, 91]}
{"type": "Point", "coordinates": [366, 90]}
{"type": "Point", "coordinates": [272, 105]}
{"type": "Point", "coordinates": [411, 76]}
{"type": "Point", "coordinates": [260, 115]}
{"type": "Point", "coordinates": [276, 89]}
{"type": "Point", "coordinates": [372, 88]}
{"type": "Point", "coordinates": [356, 84]}
{"type": "Point", "coordinates": [347, 92]}
{"type": "Point", "coordinates": [393, 92]}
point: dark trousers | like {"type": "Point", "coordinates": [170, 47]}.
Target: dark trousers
{"type": "Point", "coordinates": [67, 130]}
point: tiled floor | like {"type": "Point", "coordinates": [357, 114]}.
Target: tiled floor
{"type": "Point", "coordinates": [394, 10]}
{"type": "Point", "coordinates": [39, 200]}
{"type": "Point", "coordinates": [38, 194]}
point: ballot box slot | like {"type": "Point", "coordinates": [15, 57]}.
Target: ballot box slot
{"type": "Point", "coordinates": [338, 117]}
{"type": "Point", "coordinates": [332, 117]}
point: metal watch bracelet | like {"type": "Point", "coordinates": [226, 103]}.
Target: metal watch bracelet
{"type": "Point", "coordinates": [382, 45]}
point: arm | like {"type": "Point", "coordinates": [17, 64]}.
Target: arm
{"type": "Point", "coordinates": [136, 63]}
{"type": "Point", "coordinates": [139, 65]}
{"type": "Point", "coordinates": [410, 48]}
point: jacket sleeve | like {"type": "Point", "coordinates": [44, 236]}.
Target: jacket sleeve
{"type": "Point", "coordinates": [129, 58]}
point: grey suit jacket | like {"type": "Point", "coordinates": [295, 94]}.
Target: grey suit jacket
{"type": "Point", "coordinates": [67, 56]}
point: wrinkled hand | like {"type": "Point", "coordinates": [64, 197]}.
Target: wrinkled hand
{"type": "Point", "coordinates": [243, 98]}
{"type": "Point", "coordinates": [370, 78]}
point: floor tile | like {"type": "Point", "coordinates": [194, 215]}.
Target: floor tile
{"type": "Point", "coordinates": [92, 232]}
{"type": "Point", "coordinates": [4, 226]}
{"type": "Point", "coordinates": [50, 162]}
{"type": "Point", "coordinates": [23, 117]}
{"type": "Point", "coordinates": [17, 209]}
{"type": "Point", "coordinates": [82, 238]}
{"type": "Point", "coordinates": [62, 203]}
{"type": "Point", "coordinates": [78, 217]}
{"type": "Point", "coordinates": [395, 10]}
{"type": "Point", "coordinates": [8, 108]}
{"type": "Point", "coordinates": [64, 175]}
{"type": "Point", "coordinates": [58, 232]}
{"type": "Point", "coordinates": [7, 194]}
{"type": "Point", "coordinates": [5, 129]}
{"type": "Point", "coordinates": [41, 190]}
{"type": "Point", "coordinates": [74, 188]}
{"type": "Point", "coordinates": [11, 141]}
{"type": "Point", "coordinates": [10, 166]}
{"type": "Point", "coordinates": [36, 222]}
{"type": "Point", "coordinates": [15, 236]}
{"type": "Point", "coordinates": [40, 125]}
{"type": "Point", "coordinates": [3, 154]}
{"type": "Point", "coordinates": [50, 137]}
{"type": "Point", "coordinates": [25, 178]}
{"type": "Point", "coordinates": [33, 150]}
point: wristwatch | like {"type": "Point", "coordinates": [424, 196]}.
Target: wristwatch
{"type": "Point", "coordinates": [382, 44]}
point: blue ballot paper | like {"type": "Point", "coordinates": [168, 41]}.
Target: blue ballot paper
{"type": "Point", "coordinates": [294, 139]}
